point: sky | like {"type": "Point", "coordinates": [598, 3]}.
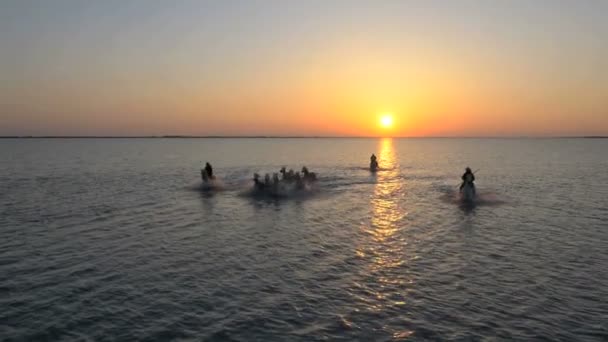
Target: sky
{"type": "Point", "coordinates": [305, 68]}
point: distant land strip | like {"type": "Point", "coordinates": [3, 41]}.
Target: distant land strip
{"type": "Point", "coordinates": [283, 137]}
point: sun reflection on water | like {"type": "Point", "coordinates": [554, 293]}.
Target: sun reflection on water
{"type": "Point", "coordinates": [388, 190]}
{"type": "Point", "coordinates": [384, 250]}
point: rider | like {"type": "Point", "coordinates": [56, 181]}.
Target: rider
{"type": "Point", "coordinates": [468, 177]}
{"type": "Point", "coordinates": [373, 162]}
{"type": "Point", "coordinates": [209, 170]}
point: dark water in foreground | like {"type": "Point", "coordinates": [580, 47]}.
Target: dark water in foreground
{"type": "Point", "coordinates": [112, 240]}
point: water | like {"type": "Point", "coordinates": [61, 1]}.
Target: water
{"type": "Point", "coordinates": [112, 239]}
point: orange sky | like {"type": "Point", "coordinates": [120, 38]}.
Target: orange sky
{"type": "Point", "coordinates": [308, 69]}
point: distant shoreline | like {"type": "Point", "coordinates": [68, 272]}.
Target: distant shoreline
{"type": "Point", "coordinates": [289, 137]}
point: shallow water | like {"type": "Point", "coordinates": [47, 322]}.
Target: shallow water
{"type": "Point", "coordinates": [113, 239]}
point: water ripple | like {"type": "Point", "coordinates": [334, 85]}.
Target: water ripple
{"type": "Point", "coordinates": [120, 246]}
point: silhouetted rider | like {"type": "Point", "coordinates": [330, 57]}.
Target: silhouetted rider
{"type": "Point", "coordinates": [467, 177]}
{"type": "Point", "coordinates": [373, 162]}
{"type": "Point", "coordinates": [209, 170]}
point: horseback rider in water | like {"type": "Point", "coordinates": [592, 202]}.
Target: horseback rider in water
{"type": "Point", "coordinates": [373, 162]}
{"type": "Point", "coordinates": [209, 170]}
{"type": "Point", "coordinates": [468, 177]}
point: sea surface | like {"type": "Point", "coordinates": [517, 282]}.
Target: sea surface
{"type": "Point", "coordinates": [114, 240]}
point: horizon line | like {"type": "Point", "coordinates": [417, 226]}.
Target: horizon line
{"type": "Point", "coordinates": [293, 137]}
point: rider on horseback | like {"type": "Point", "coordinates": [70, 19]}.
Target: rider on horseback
{"type": "Point", "coordinates": [468, 177]}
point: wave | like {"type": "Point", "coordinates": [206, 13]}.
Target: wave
{"type": "Point", "coordinates": [483, 197]}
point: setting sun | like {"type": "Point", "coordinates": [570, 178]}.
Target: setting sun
{"type": "Point", "coordinates": [386, 121]}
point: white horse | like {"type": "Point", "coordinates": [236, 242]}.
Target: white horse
{"type": "Point", "coordinates": [467, 192]}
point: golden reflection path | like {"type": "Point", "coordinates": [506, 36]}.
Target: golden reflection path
{"type": "Point", "coordinates": [385, 247]}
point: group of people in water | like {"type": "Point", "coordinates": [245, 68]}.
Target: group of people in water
{"type": "Point", "coordinates": [299, 180]}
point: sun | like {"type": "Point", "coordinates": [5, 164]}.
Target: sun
{"type": "Point", "coordinates": [386, 120]}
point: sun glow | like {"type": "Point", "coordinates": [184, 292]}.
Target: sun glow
{"type": "Point", "coordinates": [386, 120]}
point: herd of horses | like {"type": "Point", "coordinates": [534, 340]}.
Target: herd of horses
{"type": "Point", "coordinates": [284, 182]}
{"type": "Point", "coordinates": [287, 179]}
{"type": "Point", "coordinates": [277, 184]}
